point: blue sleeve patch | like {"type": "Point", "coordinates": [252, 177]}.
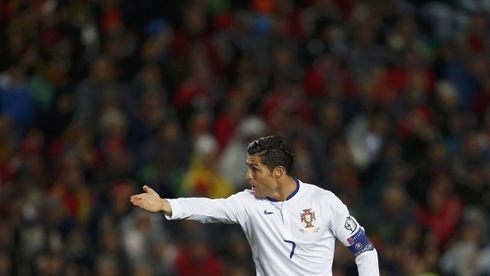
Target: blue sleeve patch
{"type": "Point", "coordinates": [359, 243]}
{"type": "Point", "coordinates": [356, 236]}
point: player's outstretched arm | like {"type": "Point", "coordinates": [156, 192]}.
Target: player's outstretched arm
{"type": "Point", "coordinates": [151, 201]}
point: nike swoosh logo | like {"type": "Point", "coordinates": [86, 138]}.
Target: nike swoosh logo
{"type": "Point", "coordinates": [268, 213]}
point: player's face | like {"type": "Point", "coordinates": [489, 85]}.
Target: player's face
{"type": "Point", "coordinates": [260, 177]}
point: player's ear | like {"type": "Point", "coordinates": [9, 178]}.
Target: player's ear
{"type": "Point", "coordinates": [278, 172]}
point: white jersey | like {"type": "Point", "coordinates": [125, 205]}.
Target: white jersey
{"type": "Point", "coordinates": [292, 237]}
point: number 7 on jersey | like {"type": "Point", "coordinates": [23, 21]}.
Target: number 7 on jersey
{"type": "Point", "coordinates": [292, 248]}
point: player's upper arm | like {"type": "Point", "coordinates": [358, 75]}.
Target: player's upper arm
{"type": "Point", "coordinates": [346, 228]}
{"type": "Point", "coordinates": [241, 203]}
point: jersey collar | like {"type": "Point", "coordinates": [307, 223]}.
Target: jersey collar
{"type": "Point", "coordinates": [289, 196]}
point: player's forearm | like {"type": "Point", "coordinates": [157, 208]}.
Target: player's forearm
{"type": "Point", "coordinates": [367, 263]}
{"type": "Point", "coordinates": [203, 209]}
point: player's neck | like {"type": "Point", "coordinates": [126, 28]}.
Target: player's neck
{"type": "Point", "coordinates": [285, 189]}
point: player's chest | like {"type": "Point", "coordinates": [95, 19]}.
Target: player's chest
{"type": "Point", "coordinates": [288, 221]}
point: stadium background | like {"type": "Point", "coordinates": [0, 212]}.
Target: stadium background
{"type": "Point", "coordinates": [386, 103]}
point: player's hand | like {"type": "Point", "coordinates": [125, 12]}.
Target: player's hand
{"type": "Point", "coordinates": [149, 200]}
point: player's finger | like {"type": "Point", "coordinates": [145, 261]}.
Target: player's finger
{"type": "Point", "coordinates": [148, 189]}
{"type": "Point", "coordinates": [137, 203]}
{"type": "Point", "coordinates": [138, 196]}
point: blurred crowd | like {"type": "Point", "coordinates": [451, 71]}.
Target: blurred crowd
{"type": "Point", "coordinates": [384, 102]}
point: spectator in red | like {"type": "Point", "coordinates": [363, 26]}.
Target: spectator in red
{"type": "Point", "coordinates": [281, 103]}
{"type": "Point", "coordinates": [72, 190]}
{"type": "Point", "coordinates": [199, 90]}
{"type": "Point", "coordinates": [475, 38]}
{"type": "Point", "coordinates": [441, 211]}
{"type": "Point", "coordinates": [197, 258]}
{"type": "Point", "coordinates": [233, 111]}
{"type": "Point", "coordinates": [194, 31]}
{"type": "Point", "coordinates": [481, 101]}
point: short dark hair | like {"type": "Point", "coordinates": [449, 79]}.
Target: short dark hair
{"type": "Point", "coordinates": [273, 152]}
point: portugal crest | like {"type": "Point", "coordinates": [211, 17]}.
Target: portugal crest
{"type": "Point", "coordinates": [308, 217]}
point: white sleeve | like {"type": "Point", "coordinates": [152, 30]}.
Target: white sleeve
{"type": "Point", "coordinates": [352, 235]}
{"type": "Point", "coordinates": [229, 210]}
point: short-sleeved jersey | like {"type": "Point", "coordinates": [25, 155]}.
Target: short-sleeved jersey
{"type": "Point", "coordinates": [292, 237]}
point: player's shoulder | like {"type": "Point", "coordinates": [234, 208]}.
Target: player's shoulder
{"type": "Point", "coordinates": [315, 190]}
{"type": "Point", "coordinates": [245, 195]}
{"type": "Point", "coordinates": [325, 196]}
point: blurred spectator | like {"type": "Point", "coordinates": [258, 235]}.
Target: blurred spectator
{"type": "Point", "coordinates": [199, 91]}
{"type": "Point", "coordinates": [163, 253]}
{"type": "Point", "coordinates": [319, 10]}
{"type": "Point", "coordinates": [339, 170]}
{"type": "Point", "coordinates": [238, 256]}
{"type": "Point", "coordinates": [203, 178]}
{"type": "Point", "coordinates": [405, 36]}
{"type": "Point", "coordinates": [194, 32]}
{"type": "Point", "coordinates": [233, 110]}
{"type": "Point", "coordinates": [112, 143]}
{"type": "Point", "coordinates": [473, 40]}
{"type": "Point", "coordinates": [278, 50]}
{"type": "Point", "coordinates": [50, 263]}
{"type": "Point", "coordinates": [325, 38]}
{"type": "Point", "coordinates": [443, 19]}
{"type": "Point", "coordinates": [155, 52]}
{"type": "Point", "coordinates": [165, 158]}
{"type": "Point", "coordinates": [58, 117]}
{"type": "Point", "coordinates": [328, 80]}
{"type": "Point", "coordinates": [16, 100]}
{"type": "Point", "coordinates": [73, 192]}
{"type": "Point", "coordinates": [111, 257]}
{"type": "Point", "coordinates": [196, 257]}
{"type": "Point", "coordinates": [152, 111]}
{"type": "Point", "coordinates": [43, 85]}
{"type": "Point", "coordinates": [481, 101]}
{"type": "Point", "coordinates": [366, 47]}
{"type": "Point", "coordinates": [5, 264]}
{"type": "Point", "coordinates": [388, 220]}
{"type": "Point", "coordinates": [99, 89]}
{"type": "Point", "coordinates": [303, 167]}
{"type": "Point", "coordinates": [139, 231]}
{"type": "Point", "coordinates": [235, 152]}
{"type": "Point", "coordinates": [79, 251]}
{"type": "Point", "coordinates": [441, 211]}
{"type": "Point", "coordinates": [366, 137]}
{"type": "Point", "coordinates": [330, 120]}
{"type": "Point", "coordinates": [142, 269]}
{"type": "Point", "coordinates": [107, 266]}
{"type": "Point", "coordinates": [148, 81]}
{"type": "Point", "coordinates": [445, 105]}
{"type": "Point", "coordinates": [284, 103]}
{"type": "Point", "coordinates": [466, 255]}
{"type": "Point", "coordinates": [111, 210]}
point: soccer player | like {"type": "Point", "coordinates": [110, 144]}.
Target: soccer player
{"type": "Point", "coordinates": [291, 226]}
